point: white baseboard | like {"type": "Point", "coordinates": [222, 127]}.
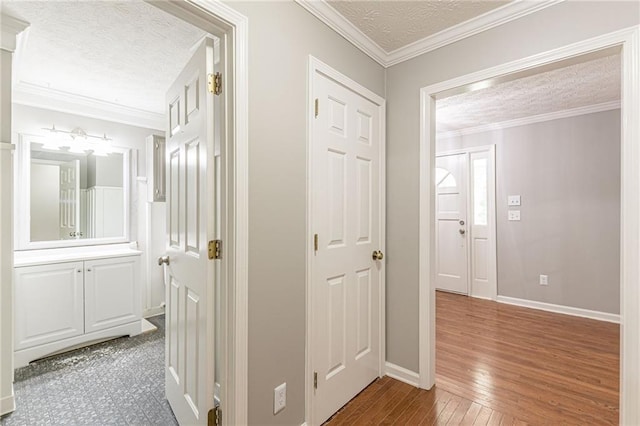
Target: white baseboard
{"type": "Point", "coordinates": [8, 403]}
{"type": "Point", "coordinates": [560, 309]}
{"type": "Point", "coordinates": [400, 373]}
{"type": "Point", "coordinates": [152, 312]}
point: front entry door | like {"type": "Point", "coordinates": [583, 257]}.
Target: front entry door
{"type": "Point", "coordinates": [189, 358]}
{"type": "Point", "coordinates": [346, 279]}
{"type": "Point", "coordinates": [451, 223]}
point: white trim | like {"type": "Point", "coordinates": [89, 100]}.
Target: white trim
{"type": "Point", "coordinates": [11, 27]}
{"type": "Point", "coordinates": [8, 403]}
{"type": "Point", "coordinates": [331, 17]}
{"type": "Point", "coordinates": [629, 40]}
{"type": "Point", "coordinates": [153, 312]}
{"type": "Point", "coordinates": [560, 309]}
{"type": "Point", "coordinates": [501, 15]}
{"type": "Point", "coordinates": [315, 67]}
{"type": "Point", "coordinates": [556, 115]}
{"type": "Point", "coordinates": [400, 373]}
{"type": "Point", "coordinates": [57, 100]}
{"type": "Point", "coordinates": [484, 22]}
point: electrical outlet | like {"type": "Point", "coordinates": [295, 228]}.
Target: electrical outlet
{"type": "Point", "coordinates": [279, 398]}
{"type": "Point", "coordinates": [544, 279]}
{"type": "Point", "coordinates": [513, 200]}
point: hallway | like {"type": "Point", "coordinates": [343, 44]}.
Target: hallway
{"type": "Point", "coordinates": [116, 382]}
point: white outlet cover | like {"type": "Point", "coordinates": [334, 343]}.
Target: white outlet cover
{"type": "Point", "coordinates": [513, 200]}
{"type": "Point", "coordinates": [544, 280]}
{"type": "Point", "coordinates": [514, 215]}
{"type": "Point", "coordinates": [279, 398]}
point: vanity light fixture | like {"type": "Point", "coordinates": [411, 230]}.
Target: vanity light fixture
{"type": "Point", "coordinates": [80, 141]}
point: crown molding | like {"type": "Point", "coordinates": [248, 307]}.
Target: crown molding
{"type": "Point", "coordinates": [556, 115]}
{"type": "Point", "coordinates": [11, 27]}
{"type": "Point", "coordinates": [501, 15]}
{"type": "Point", "coordinates": [496, 17]}
{"type": "Point", "coordinates": [327, 14]}
{"type": "Point", "coordinates": [42, 97]}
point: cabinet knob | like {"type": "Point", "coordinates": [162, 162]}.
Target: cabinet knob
{"type": "Point", "coordinates": [88, 269]}
{"type": "Point", "coordinates": [79, 270]}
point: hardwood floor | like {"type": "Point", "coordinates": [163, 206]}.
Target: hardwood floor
{"type": "Point", "coordinates": [501, 364]}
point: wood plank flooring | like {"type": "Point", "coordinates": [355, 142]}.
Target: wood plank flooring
{"type": "Point", "coordinates": [498, 364]}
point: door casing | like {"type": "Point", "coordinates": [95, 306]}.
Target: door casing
{"type": "Point", "coordinates": [315, 67]}
{"type": "Point", "coordinates": [628, 40]}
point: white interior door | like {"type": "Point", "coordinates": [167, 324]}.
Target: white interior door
{"type": "Point", "coordinates": [190, 313]}
{"type": "Point", "coordinates": [451, 224]}
{"type": "Point", "coordinates": [345, 283]}
{"type": "Point", "coordinates": [69, 200]}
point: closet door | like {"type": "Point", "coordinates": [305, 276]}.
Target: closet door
{"type": "Point", "coordinates": [112, 292]}
{"type": "Point", "coordinates": [49, 302]}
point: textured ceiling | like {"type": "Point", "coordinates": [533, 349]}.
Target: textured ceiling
{"type": "Point", "coordinates": [393, 24]}
{"type": "Point", "coordinates": [583, 84]}
{"type": "Point", "coordinates": [124, 52]}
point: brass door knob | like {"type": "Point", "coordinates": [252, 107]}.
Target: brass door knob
{"type": "Point", "coordinates": [377, 255]}
{"type": "Point", "coordinates": [163, 260]}
{"type": "Point", "coordinates": [462, 231]}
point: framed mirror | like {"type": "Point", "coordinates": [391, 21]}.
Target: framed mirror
{"type": "Point", "coordinates": [70, 197]}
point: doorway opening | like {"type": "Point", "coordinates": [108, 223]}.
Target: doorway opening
{"type": "Point", "coordinates": [113, 113]}
{"type": "Point", "coordinates": [629, 105]}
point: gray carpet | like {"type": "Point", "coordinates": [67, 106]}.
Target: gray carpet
{"type": "Point", "coordinates": [117, 382]}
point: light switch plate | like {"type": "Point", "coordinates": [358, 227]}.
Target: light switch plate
{"type": "Point", "coordinates": [514, 215]}
{"type": "Point", "coordinates": [513, 200]}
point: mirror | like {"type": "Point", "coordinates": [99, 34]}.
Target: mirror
{"type": "Point", "coordinates": [73, 198]}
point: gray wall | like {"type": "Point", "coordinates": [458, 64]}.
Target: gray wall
{"type": "Point", "coordinates": [556, 26]}
{"type": "Point", "coordinates": [568, 174]}
{"type": "Point", "coordinates": [281, 36]}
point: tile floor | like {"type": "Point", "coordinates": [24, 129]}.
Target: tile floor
{"type": "Point", "coordinates": [117, 382]}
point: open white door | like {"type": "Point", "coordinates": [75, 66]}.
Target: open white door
{"type": "Point", "coordinates": [69, 200]}
{"type": "Point", "coordinates": [190, 313]}
{"type": "Point", "coordinates": [347, 264]}
{"type": "Point", "coordinates": [451, 224]}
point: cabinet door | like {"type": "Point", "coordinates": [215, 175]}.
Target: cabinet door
{"type": "Point", "coordinates": [49, 303]}
{"type": "Point", "coordinates": [112, 292]}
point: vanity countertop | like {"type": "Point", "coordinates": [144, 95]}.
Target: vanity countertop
{"type": "Point", "coordinates": [72, 254]}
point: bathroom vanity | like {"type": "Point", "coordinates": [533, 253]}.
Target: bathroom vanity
{"type": "Point", "coordinates": [67, 298]}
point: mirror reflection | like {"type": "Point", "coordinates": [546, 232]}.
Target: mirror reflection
{"type": "Point", "coordinates": [75, 195]}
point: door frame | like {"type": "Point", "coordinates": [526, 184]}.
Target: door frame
{"type": "Point", "coordinates": [231, 27]}
{"type": "Point", "coordinates": [315, 66]}
{"type": "Point", "coordinates": [491, 201]}
{"type": "Point", "coordinates": [629, 41]}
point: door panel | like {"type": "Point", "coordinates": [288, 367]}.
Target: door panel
{"type": "Point", "coordinates": [112, 292]}
{"type": "Point", "coordinates": [346, 280]}
{"type": "Point", "coordinates": [69, 200]}
{"type": "Point", "coordinates": [51, 301]}
{"type": "Point", "coordinates": [190, 360]}
{"type": "Point", "coordinates": [451, 224]}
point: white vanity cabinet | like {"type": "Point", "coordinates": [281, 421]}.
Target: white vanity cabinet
{"type": "Point", "coordinates": [61, 305]}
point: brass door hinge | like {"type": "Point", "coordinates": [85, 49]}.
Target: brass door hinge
{"type": "Point", "coordinates": [315, 380]}
{"type": "Point", "coordinates": [315, 242]}
{"type": "Point", "coordinates": [214, 417]}
{"type": "Point", "coordinates": [215, 249]}
{"type": "Point", "coordinates": [214, 83]}
{"type": "Point", "coordinates": [316, 108]}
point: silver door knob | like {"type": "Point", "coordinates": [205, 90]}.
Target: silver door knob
{"type": "Point", "coordinates": [377, 255]}
{"type": "Point", "coordinates": [163, 260]}
{"type": "Point", "coordinates": [462, 231]}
